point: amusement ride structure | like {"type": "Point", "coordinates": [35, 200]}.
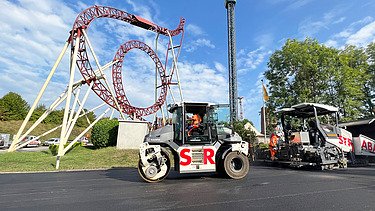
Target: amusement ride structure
{"type": "Point", "coordinates": [96, 80]}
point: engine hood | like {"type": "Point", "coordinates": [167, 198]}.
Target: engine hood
{"type": "Point", "coordinates": [163, 134]}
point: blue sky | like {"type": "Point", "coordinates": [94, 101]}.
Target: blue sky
{"type": "Point", "coordinates": [33, 32]}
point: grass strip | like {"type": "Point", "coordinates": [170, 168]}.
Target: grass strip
{"type": "Point", "coordinates": [77, 158]}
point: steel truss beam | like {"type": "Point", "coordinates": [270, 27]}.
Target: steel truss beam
{"type": "Point", "coordinates": [120, 102]}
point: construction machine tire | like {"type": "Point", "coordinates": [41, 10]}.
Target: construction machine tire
{"type": "Point", "coordinates": [236, 165]}
{"type": "Point", "coordinates": [165, 169]}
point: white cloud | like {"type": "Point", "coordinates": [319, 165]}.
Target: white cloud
{"type": "Point", "coordinates": [331, 43]}
{"type": "Point", "coordinates": [202, 83]}
{"type": "Point", "coordinates": [194, 30]}
{"type": "Point", "coordinates": [309, 27]}
{"type": "Point", "coordinates": [359, 33]}
{"type": "Point", "coordinates": [81, 5]}
{"type": "Point", "coordinates": [264, 40]}
{"type": "Point", "coordinates": [31, 37]}
{"type": "Point", "coordinates": [340, 20]}
{"type": "Point", "coordinates": [36, 33]}
{"type": "Point", "coordinates": [290, 4]}
{"type": "Point", "coordinates": [363, 36]}
{"type": "Point", "coordinates": [219, 67]}
{"type": "Point", "coordinates": [199, 43]}
{"type": "Point", "coordinates": [343, 34]}
{"type": "Point", "coordinates": [248, 61]}
{"type": "Point", "coordinates": [141, 10]}
{"type": "Point", "coordinates": [297, 4]}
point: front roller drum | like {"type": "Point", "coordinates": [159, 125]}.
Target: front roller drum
{"type": "Point", "coordinates": [153, 172]}
{"type": "Point", "coordinates": [236, 165]}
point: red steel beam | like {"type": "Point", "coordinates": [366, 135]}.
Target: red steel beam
{"type": "Point", "coordinates": [83, 21]}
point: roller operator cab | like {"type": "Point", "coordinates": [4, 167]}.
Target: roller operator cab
{"type": "Point", "coordinates": [196, 143]}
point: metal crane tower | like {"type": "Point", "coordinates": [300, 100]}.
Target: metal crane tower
{"type": "Point", "coordinates": [241, 108]}
{"type": "Point", "coordinates": [229, 5]}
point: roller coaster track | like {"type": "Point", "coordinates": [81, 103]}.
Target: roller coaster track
{"type": "Point", "coordinates": [83, 22]}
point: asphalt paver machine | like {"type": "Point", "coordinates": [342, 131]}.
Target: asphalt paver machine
{"type": "Point", "coordinates": [312, 137]}
{"type": "Point", "coordinates": [207, 147]}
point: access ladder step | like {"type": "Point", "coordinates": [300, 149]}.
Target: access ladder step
{"type": "Point", "coordinates": [173, 47]}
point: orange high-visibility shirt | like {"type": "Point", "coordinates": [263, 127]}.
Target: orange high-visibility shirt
{"type": "Point", "coordinates": [196, 119]}
{"type": "Point", "coordinates": [273, 140]}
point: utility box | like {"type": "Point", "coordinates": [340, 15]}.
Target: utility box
{"type": "Point", "coordinates": [131, 134]}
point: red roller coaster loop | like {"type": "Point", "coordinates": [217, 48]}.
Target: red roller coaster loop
{"type": "Point", "coordinates": [117, 79]}
{"type": "Point", "coordinates": [83, 21]}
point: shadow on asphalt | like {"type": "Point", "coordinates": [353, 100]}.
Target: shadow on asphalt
{"type": "Point", "coordinates": [362, 170]}
{"type": "Point", "coordinates": [131, 175]}
{"type": "Point", "coordinates": [124, 174]}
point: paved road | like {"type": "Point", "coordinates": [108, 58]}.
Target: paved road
{"type": "Point", "coordinates": [265, 188]}
{"type": "Point", "coordinates": [27, 149]}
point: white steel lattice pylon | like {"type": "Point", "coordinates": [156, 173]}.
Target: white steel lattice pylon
{"type": "Point", "coordinates": [173, 70]}
{"type": "Point", "coordinates": [71, 114]}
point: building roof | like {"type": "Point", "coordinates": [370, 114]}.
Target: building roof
{"type": "Point", "coordinates": [249, 126]}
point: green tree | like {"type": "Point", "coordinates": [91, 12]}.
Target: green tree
{"type": "Point", "coordinates": [55, 117]}
{"type": "Point", "coordinates": [246, 134]}
{"type": "Point", "coordinates": [300, 72]}
{"type": "Point", "coordinates": [13, 107]}
{"type": "Point", "coordinates": [39, 110]}
{"type": "Point", "coordinates": [104, 133]}
{"type": "Point", "coordinates": [306, 71]}
{"type": "Point", "coordinates": [369, 87]}
{"type": "Point", "coordinates": [349, 82]}
{"type": "Point", "coordinates": [82, 121]}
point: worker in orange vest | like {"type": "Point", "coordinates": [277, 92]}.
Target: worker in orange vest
{"type": "Point", "coordinates": [196, 120]}
{"type": "Point", "coordinates": [273, 143]}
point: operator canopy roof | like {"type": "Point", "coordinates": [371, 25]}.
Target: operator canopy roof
{"type": "Point", "coordinates": [358, 122]}
{"type": "Point", "coordinates": [305, 110]}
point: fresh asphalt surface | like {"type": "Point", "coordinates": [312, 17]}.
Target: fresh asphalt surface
{"type": "Point", "coordinates": [265, 188]}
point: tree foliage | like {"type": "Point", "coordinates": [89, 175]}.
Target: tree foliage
{"type": "Point", "coordinates": [306, 71]}
{"type": "Point", "coordinates": [82, 121]}
{"type": "Point", "coordinates": [38, 112]}
{"type": "Point", "coordinates": [13, 107]}
{"type": "Point", "coordinates": [246, 134]}
{"type": "Point", "coordinates": [369, 89]}
{"type": "Point", "coordinates": [55, 117]}
{"type": "Point", "coordinates": [104, 133]}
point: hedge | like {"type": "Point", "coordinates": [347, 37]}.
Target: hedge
{"type": "Point", "coordinates": [54, 148]}
{"type": "Point", "coordinates": [104, 133]}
